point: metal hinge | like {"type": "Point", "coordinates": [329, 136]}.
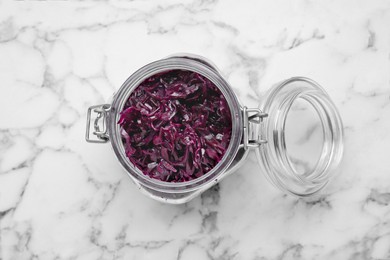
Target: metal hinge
{"type": "Point", "coordinates": [254, 116]}
{"type": "Point", "coordinates": [100, 129]}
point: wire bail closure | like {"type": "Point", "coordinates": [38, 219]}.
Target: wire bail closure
{"type": "Point", "coordinates": [254, 116]}
{"type": "Point", "coordinates": [100, 132]}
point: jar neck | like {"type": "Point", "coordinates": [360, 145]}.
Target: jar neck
{"type": "Point", "coordinates": [175, 63]}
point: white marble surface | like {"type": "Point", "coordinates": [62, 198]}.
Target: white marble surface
{"type": "Point", "coordinates": [61, 198]}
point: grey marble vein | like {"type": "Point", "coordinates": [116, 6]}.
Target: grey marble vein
{"type": "Point", "coordinates": [61, 198]}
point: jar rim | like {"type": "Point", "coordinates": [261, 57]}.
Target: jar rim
{"type": "Point", "coordinates": [172, 63]}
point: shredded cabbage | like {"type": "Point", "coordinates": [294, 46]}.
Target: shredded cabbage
{"type": "Point", "coordinates": [176, 126]}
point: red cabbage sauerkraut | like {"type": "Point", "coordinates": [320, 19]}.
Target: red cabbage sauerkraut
{"type": "Point", "coordinates": [176, 126]}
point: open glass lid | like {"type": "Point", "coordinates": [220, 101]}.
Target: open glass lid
{"type": "Point", "coordinates": [304, 135]}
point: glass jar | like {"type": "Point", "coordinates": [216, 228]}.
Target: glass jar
{"type": "Point", "coordinates": [261, 129]}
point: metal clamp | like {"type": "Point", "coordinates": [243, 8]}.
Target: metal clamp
{"type": "Point", "coordinates": [100, 132]}
{"type": "Point", "coordinates": [255, 116]}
